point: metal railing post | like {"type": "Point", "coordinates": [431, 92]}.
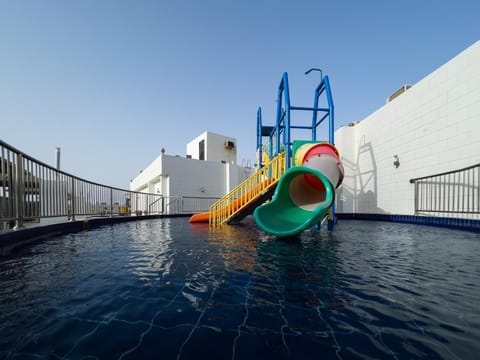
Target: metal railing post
{"type": "Point", "coordinates": [72, 200]}
{"type": "Point", "coordinates": [111, 202]}
{"type": "Point", "coordinates": [19, 194]}
{"type": "Point", "coordinates": [415, 197]}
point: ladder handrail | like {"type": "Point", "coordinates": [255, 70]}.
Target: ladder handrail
{"type": "Point", "coordinates": [237, 199]}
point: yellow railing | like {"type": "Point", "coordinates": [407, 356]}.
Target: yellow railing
{"type": "Point", "coordinates": [240, 197]}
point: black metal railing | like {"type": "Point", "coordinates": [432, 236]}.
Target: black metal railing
{"type": "Point", "coordinates": [31, 190]}
{"type": "Point", "coordinates": [449, 193]}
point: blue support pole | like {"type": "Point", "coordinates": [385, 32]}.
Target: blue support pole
{"type": "Point", "coordinates": [287, 142]}
{"type": "Point", "coordinates": [271, 147]}
{"type": "Point", "coordinates": [279, 115]}
{"type": "Point", "coordinates": [331, 136]}
{"type": "Point", "coordinates": [331, 123]}
{"type": "Point", "coordinates": [283, 118]}
{"type": "Point", "coordinates": [324, 86]}
{"type": "Point", "coordinates": [315, 103]}
{"type": "Point", "coordinates": [314, 116]}
{"type": "Point", "coordinates": [259, 137]}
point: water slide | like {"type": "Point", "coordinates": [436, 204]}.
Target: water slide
{"type": "Point", "coordinates": [304, 193]}
{"type": "Point", "coordinates": [243, 202]}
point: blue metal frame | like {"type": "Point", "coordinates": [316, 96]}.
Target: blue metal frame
{"type": "Point", "coordinates": [261, 132]}
{"type": "Point", "coordinates": [283, 125]}
{"type": "Point", "coordinates": [259, 137]}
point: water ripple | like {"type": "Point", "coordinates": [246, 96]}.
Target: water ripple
{"type": "Point", "coordinates": [166, 288]}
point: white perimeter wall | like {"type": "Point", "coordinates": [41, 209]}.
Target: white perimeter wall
{"type": "Point", "coordinates": [433, 127]}
{"type": "Point", "coordinates": [179, 176]}
{"type": "Point", "coordinates": [190, 177]}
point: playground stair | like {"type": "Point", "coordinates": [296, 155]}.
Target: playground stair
{"type": "Point", "coordinates": [250, 194]}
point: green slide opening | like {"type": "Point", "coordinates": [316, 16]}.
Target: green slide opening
{"type": "Point", "coordinates": [296, 204]}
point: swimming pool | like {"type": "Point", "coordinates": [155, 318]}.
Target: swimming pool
{"type": "Point", "coordinates": [166, 289]}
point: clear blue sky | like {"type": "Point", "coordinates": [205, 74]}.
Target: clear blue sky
{"type": "Point", "coordinates": [112, 82]}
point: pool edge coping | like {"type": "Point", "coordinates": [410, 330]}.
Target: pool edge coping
{"type": "Point", "coordinates": [470, 225]}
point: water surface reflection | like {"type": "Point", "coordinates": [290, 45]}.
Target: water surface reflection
{"type": "Point", "coordinates": [167, 288]}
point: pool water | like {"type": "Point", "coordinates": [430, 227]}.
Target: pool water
{"type": "Point", "coordinates": [166, 289]}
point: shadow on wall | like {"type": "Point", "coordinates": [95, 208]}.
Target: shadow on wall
{"type": "Point", "coordinates": [358, 194]}
{"type": "Point", "coordinates": [346, 193]}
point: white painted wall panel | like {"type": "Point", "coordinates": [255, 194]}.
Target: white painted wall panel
{"type": "Point", "coordinates": [433, 127]}
{"type": "Point", "coordinates": [190, 177]}
{"type": "Point", "coordinates": [179, 176]}
{"type": "Point", "coordinates": [214, 148]}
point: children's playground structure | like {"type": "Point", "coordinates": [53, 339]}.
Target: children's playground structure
{"type": "Point", "coordinates": [294, 188]}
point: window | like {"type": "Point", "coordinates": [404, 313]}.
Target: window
{"type": "Point", "coordinates": [201, 150]}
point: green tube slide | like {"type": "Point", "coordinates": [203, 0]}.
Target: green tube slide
{"type": "Point", "coordinates": [298, 202]}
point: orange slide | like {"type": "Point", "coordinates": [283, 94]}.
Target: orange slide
{"type": "Point", "coordinates": [200, 218]}
{"type": "Point", "coordinates": [249, 196]}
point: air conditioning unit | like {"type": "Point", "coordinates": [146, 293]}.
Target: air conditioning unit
{"type": "Point", "coordinates": [397, 93]}
{"type": "Point", "coordinates": [229, 144]}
